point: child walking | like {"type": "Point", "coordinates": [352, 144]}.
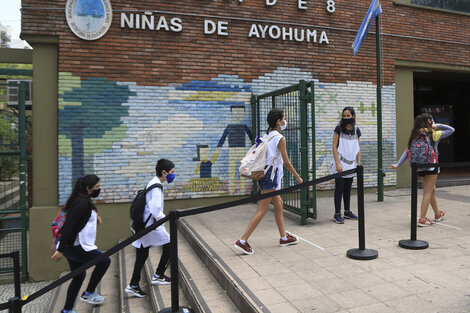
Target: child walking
{"type": "Point", "coordinates": [276, 154]}
{"type": "Point", "coordinates": [77, 242]}
{"type": "Point", "coordinates": [347, 155]}
{"type": "Point", "coordinates": [165, 171]}
{"type": "Point", "coordinates": [424, 126]}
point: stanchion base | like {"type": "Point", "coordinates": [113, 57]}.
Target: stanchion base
{"type": "Point", "coordinates": [181, 309]}
{"type": "Point", "coordinates": [366, 254]}
{"type": "Point", "coordinates": [413, 244]}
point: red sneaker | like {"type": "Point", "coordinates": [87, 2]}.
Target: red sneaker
{"type": "Point", "coordinates": [440, 217]}
{"type": "Point", "coordinates": [291, 240]}
{"type": "Point", "coordinates": [244, 248]}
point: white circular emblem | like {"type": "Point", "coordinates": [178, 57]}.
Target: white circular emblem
{"type": "Point", "coordinates": [89, 19]}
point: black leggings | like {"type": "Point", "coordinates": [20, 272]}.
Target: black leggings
{"type": "Point", "coordinates": [141, 255]}
{"type": "Point", "coordinates": [77, 257]}
{"type": "Point", "coordinates": [342, 190]}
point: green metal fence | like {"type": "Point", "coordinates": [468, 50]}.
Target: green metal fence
{"type": "Point", "coordinates": [297, 102]}
{"type": "Point", "coordinates": [13, 208]}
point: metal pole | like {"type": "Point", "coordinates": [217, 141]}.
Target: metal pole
{"type": "Point", "coordinates": [16, 273]}
{"type": "Point", "coordinates": [380, 172]}
{"type": "Point", "coordinates": [314, 151]}
{"type": "Point", "coordinates": [22, 169]}
{"type": "Point", "coordinates": [413, 243]}
{"type": "Point", "coordinates": [362, 253]}
{"type": "Point", "coordinates": [303, 151]}
{"type": "Point", "coordinates": [174, 260]}
{"type": "Point", "coordinates": [14, 305]}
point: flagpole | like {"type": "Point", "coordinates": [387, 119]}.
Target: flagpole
{"type": "Point", "coordinates": [380, 172]}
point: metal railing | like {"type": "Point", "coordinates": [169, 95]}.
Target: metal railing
{"type": "Point", "coordinates": [16, 303]}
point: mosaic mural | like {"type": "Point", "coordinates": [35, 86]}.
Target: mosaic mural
{"type": "Point", "coordinates": [118, 130]}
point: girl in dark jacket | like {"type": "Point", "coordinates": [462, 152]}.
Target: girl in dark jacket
{"type": "Point", "coordinates": [77, 242]}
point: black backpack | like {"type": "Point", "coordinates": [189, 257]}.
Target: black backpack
{"type": "Point", "coordinates": [138, 207]}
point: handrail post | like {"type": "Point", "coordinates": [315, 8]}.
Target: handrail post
{"type": "Point", "coordinates": [16, 273]}
{"type": "Point", "coordinates": [413, 243]}
{"type": "Point", "coordinates": [175, 307]}
{"type": "Point", "coordinates": [362, 253]}
{"type": "Point", "coordinates": [14, 305]}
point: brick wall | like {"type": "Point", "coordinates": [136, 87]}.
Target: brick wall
{"type": "Point", "coordinates": [159, 93]}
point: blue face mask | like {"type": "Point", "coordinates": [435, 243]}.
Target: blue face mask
{"type": "Point", "coordinates": [170, 177]}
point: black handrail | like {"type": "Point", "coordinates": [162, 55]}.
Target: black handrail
{"type": "Point", "coordinates": [16, 304]}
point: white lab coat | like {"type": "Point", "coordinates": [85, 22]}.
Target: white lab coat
{"type": "Point", "coordinates": [154, 206]}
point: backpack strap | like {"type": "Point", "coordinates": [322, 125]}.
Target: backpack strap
{"type": "Point", "coordinates": [272, 135]}
{"type": "Point", "coordinates": [145, 194]}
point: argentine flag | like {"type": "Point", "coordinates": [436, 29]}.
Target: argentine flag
{"type": "Point", "coordinates": [374, 11]}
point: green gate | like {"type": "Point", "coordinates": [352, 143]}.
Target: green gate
{"type": "Point", "coordinates": [13, 208]}
{"type": "Point", "coordinates": [294, 101]}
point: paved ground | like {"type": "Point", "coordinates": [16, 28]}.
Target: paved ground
{"type": "Point", "coordinates": [317, 276]}
{"type": "Point", "coordinates": [39, 305]}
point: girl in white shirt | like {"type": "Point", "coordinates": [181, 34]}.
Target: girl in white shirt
{"type": "Point", "coordinates": [276, 158]}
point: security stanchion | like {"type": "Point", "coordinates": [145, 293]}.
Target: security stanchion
{"type": "Point", "coordinates": [174, 268]}
{"type": "Point", "coordinates": [413, 243]}
{"type": "Point", "coordinates": [362, 253]}
{"type": "Point", "coordinates": [14, 305]}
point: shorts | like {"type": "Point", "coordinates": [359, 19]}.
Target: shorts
{"type": "Point", "coordinates": [266, 183]}
{"type": "Point", "coordinates": [433, 172]}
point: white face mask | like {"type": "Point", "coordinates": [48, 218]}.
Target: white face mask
{"type": "Point", "coordinates": [284, 126]}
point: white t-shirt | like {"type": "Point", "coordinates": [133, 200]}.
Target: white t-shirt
{"type": "Point", "coordinates": [87, 236]}
{"type": "Point", "coordinates": [271, 153]}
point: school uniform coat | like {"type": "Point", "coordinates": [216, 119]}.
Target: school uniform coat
{"type": "Point", "coordinates": [154, 206]}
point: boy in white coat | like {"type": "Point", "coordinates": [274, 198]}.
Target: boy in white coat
{"type": "Point", "coordinates": [165, 171]}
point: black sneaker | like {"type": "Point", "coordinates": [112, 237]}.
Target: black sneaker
{"type": "Point", "coordinates": [136, 291]}
{"type": "Point", "coordinates": [160, 280]}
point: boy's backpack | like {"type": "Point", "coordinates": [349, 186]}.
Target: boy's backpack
{"type": "Point", "coordinates": [138, 207]}
{"type": "Point", "coordinates": [253, 165]}
{"type": "Point", "coordinates": [421, 151]}
{"type": "Point", "coordinates": [57, 224]}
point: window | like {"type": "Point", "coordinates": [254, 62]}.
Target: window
{"type": "Point", "coordinates": [453, 5]}
{"type": "Point", "coordinates": [12, 93]}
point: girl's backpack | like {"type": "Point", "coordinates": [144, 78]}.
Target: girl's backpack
{"type": "Point", "coordinates": [421, 151]}
{"type": "Point", "coordinates": [253, 165]}
{"type": "Point", "coordinates": [57, 224]}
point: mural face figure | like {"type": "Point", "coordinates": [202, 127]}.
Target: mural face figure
{"type": "Point", "coordinates": [237, 113]}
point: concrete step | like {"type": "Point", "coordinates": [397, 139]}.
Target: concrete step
{"type": "Point", "coordinates": [107, 287]}
{"type": "Point", "coordinates": [129, 303]}
{"type": "Point", "coordinates": [202, 290]}
{"type": "Point", "coordinates": [242, 298]}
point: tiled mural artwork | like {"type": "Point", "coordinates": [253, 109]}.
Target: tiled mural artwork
{"type": "Point", "coordinates": [119, 130]}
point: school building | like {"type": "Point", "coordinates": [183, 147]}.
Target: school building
{"type": "Point", "coordinates": [119, 84]}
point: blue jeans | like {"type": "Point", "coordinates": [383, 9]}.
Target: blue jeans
{"type": "Point", "coordinates": [342, 190]}
{"type": "Point", "coordinates": [77, 257]}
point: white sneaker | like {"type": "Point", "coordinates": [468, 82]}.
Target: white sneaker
{"type": "Point", "coordinates": [160, 280]}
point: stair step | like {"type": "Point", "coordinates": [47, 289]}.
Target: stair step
{"type": "Point", "coordinates": [130, 303]}
{"type": "Point", "coordinates": [107, 287]}
{"type": "Point", "coordinates": [213, 256]}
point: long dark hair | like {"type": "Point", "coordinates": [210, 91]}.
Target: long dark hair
{"type": "Point", "coordinates": [79, 190]}
{"type": "Point", "coordinates": [421, 122]}
{"type": "Point", "coordinates": [273, 116]}
{"type": "Point", "coordinates": [342, 125]}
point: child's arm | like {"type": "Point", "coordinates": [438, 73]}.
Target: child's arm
{"type": "Point", "coordinates": [358, 157]}
{"type": "Point", "coordinates": [446, 130]}
{"type": "Point", "coordinates": [155, 203]}
{"type": "Point", "coordinates": [402, 159]}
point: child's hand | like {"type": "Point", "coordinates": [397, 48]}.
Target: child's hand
{"type": "Point", "coordinates": [394, 167]}
{"type": "Point", "coordinates": [339, 168]}
{"type": "Point", "coordinates": [98, 220]}
{"type": "Point", "coordinates": [57, 256]}
{"type": "Point", "coordinates": [299, 180]}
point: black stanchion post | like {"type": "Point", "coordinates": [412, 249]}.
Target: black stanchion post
{"type": "Point", "coordinates": [16, 273]}
{"type": "Point", "coordinates": [362, 253]}
{"type": "Point", "coordinates": [14, 305]}
{"type": "Point", "coordinates": [174, 267]}
{"type": "Point", "coordinates": [413, 243]}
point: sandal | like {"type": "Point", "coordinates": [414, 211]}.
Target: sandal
{"type": "Point", "coordinates": [440, 217]}
{"type": "Point", "coordinates": [424, 222]}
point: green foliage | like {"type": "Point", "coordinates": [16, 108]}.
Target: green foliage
{"type": "Point", "coordinates": [8, 142]}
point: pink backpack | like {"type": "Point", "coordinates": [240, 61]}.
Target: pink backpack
{"type": "Point", "coordinates": [57, 224]}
